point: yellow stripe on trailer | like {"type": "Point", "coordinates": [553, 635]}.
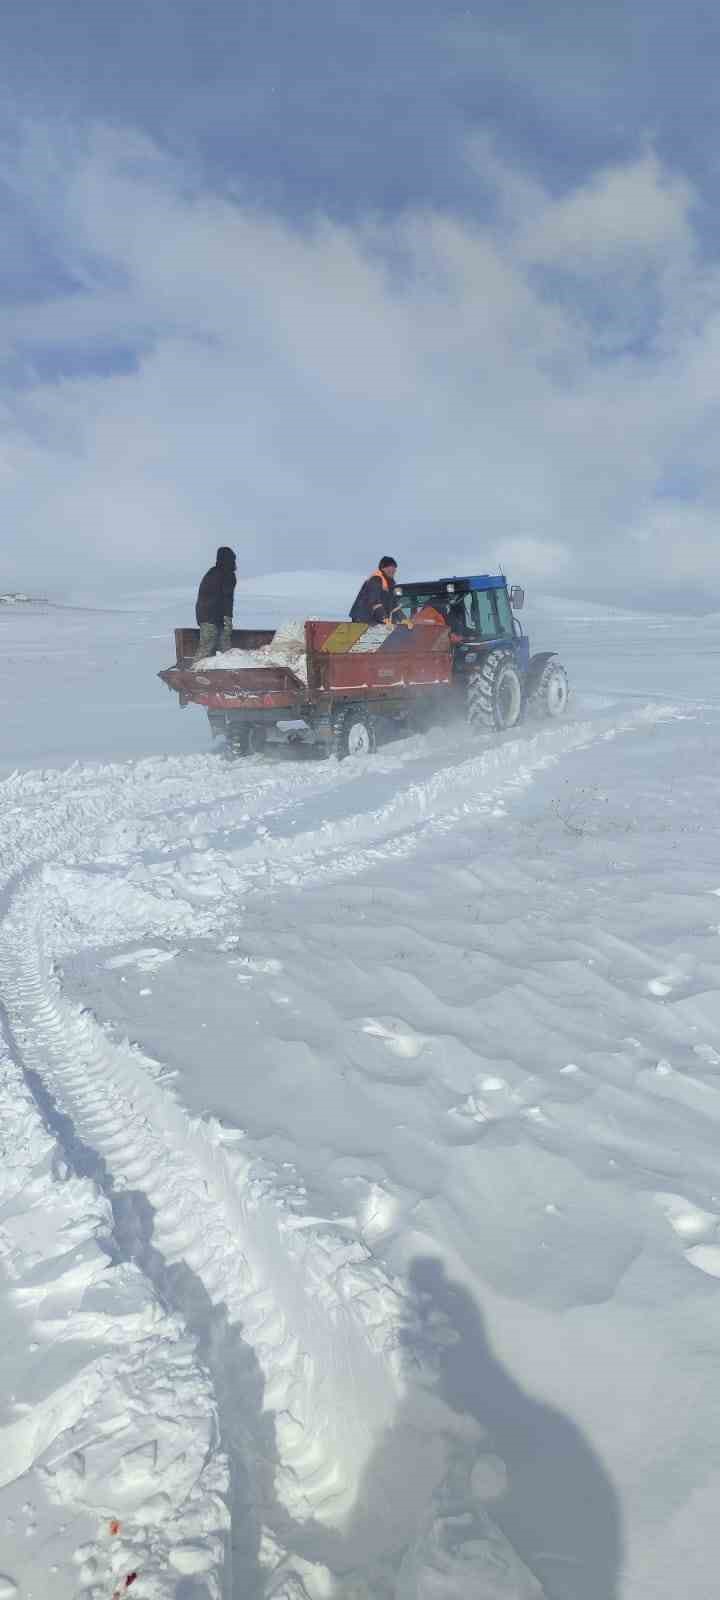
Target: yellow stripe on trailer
{"type": "Point", "coordinates": [343, 638]}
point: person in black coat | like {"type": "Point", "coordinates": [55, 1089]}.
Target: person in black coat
{"type": "Point", "coordinates": [214, 607]}
{"type": "Point", "coordinates": [375, 602]}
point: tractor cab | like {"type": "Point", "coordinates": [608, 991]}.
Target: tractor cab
{"type": "Point", "coordinates": [477, 610]}
{"type": "Point", "coordinates": [492, 665]}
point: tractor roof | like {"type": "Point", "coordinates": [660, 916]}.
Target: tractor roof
{"type": "Point", "coordinates": [450, 585]}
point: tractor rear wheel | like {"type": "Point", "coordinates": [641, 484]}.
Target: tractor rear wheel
{"type": "Point", "coordinates": [495, 693]}
{"type": "Point", "coordinates": [549, 697]}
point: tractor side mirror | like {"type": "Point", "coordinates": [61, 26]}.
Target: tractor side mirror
{"type": "Point", "coordinates": [517, 597]}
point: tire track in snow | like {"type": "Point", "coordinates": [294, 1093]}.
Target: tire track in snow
{"type": "Point", "coordinates": [321, 1318]}
{"type": "Point", "coordinates": [100, 1441]}
{"type": "Point", "coordinates": [319, 1315]}
{"type": "Point", "coordinates": [346, 848]}
{"type": "Point", "coordinates": [69, 814]}
{"type": "Point", "coordinates": [73, 822]}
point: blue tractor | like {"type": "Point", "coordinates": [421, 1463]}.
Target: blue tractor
{"type": "Point", "coordinates": [493, 668]}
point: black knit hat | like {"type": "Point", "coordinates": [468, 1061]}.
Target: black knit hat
{"type": "Point", "coordinates": [387, 561]}
{"type": "Point", "coordinates": [225, 556]}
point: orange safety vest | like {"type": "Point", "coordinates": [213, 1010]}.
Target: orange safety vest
{"type": "Point", "coordinates": [428, 613]}
{"type": "Point", "coordinates": [385, 584]}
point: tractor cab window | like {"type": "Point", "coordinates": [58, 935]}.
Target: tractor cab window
{"type": "Point", "coordinates": [409, 603]}
{"type": "Point", "coordinates": [434, 600]}
{"type": "Point", "coordinates": [486, 620]}
{"type": "Point", "coordinates": [505, 619]}
{"type": "Point", "coordinates": [460, 615]}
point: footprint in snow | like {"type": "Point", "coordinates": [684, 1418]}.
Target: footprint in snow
{"type": "Point", "coordinates": [707, 1054]}
{"type": "Point", "coordinates": [661, 986]}
{"type": "Point", "coordinates": [399, 1060]}
{"type": "Point", "coordinates": [148, 959]}
{"type": "Point", "coordinates": [688, 1221]}
{"type": "Point", "coordinates": [477, 1108]}
{"type": "Point", "coordinates": [706, 1257]}
{"type": "Point", "coordinates": [473, 1109]}
{"type": "Point", "coordinates": [191, 1558]}
{"type": "Point", "coordinates": [405, 1045]}
{"type": "Point", "coordinates": [253, 964]}
{"type": "Point", "coordinates": [378, 1212]}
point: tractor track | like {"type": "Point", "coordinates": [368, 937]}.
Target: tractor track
{"type": "Point", "coordinates": [318, 1316]}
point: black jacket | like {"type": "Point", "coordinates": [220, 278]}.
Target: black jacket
{"type": "Point", "coordinates": [217, 590]}
{"type": "Point", "coordinates": [376, 601]}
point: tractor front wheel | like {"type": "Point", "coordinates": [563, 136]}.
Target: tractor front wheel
{"type": "Point", "coordinates": [495, 693]}
{"type": "Point", "coordinates": [549, 697]}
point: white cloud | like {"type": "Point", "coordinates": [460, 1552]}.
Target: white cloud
{"type": "Point", "coordinates": [638, 209]}
{"type": "Point", "coordinates": [310, 394]}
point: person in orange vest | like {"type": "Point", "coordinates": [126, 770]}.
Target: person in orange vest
{"type": "Point", "coordinates": [375, 602]}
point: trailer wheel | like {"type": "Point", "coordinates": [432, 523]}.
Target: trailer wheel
{"type": "Point", "coordinates": [246, 739]}
{"type": "Point", "coordinates": [494, 693]}
{"type": "Point", "coordinates": [355, 735]}
{"type": "Point", "coordinates": [237, 742]}
{"type": "Point", "coordinates": [549, 696]}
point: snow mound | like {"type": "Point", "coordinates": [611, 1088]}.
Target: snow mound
{"type": "Point", "coordinates": [287, 649]}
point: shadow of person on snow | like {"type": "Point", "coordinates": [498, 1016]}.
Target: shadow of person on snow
{"type": "Point", "coordinates": [553, 1501]}
{"type": "Point", "coordinates": [542, 1484]}
{"type": "Point", "coordinates": [474, 1486]}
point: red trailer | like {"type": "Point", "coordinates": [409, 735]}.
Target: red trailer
{"type": "Point", "coordinates": [355, 680]}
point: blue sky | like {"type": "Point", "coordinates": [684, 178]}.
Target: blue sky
{"type": "Point", "coordinates": [319, 278]}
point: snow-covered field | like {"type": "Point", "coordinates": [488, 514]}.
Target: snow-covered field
{"type": "Point", "coordinates": [360, 1196]}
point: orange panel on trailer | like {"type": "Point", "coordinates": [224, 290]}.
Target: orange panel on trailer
{"type": "Point", "coordinates": [352, 657]}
